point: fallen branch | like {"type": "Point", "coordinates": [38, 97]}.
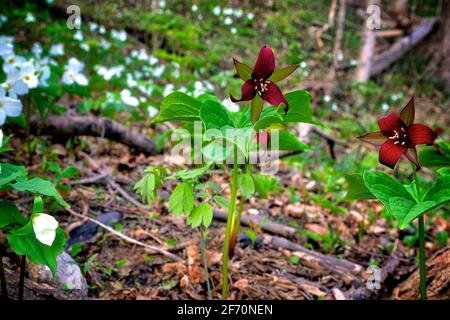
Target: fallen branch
{"type": "Point", "coordinates": [72, 125]}
{"type": "Point", "coordinates": [269, 226]}
{"type": "Point", "coordinates": [402, 46]}
{"type": "Point", "coordinates": [151, 249]}
{"type": "Point", "coordinates": [348, 271]}
{"type": "Point", "coordinates": [34, 290]}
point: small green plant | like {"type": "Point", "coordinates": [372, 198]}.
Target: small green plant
{"type": "Point", "coordinates": [398, 137]}
{"type": "Point", "coordinates": [36, 235]}
{"type": "Point", "coordinates": [213, 137]}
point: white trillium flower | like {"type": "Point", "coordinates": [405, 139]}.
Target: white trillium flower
{"type": "Point", "coordinates": [168, 89]}
{"type": "Point", "coordinates": [1, 139]}
{"type": "Point", "coordinates": [128, 99]}
{"type": "Point", "coordinates": [119, 35]}
{"type": "Point", "coordinates": [102, 30]}
{"type": "Point", "coordinates": [13, 62]}
{"type": "Point", "coordinates": [105, 43]}
{"type": "Point", "coordinates": [6, 49]}
{"type": "Point", "coordinates": [153, 60]}
{"type": "Point", "coordinates": [158, 71]}
{"type": "Point", "coordinates": [30, 18]}
{"type": "Point", "coordinates": [57, 50]}
{"type": "Point", "coordinates": [84, 46]}
{"type": "Point", "coordinates": [28, 75]}
{"type": "Point", "coordinates": [9, 106]}
{"type": "Point", "coordinates": [44, 226]}
{"type": "Point", "coordinates": [73, 73]}
{"type": "Point", "coordinates": [217, 10]}
{"type": "Point", "coordinates": [15, 84]}
{"type": "Point", "coordinates": [78, 36]}
{"type": "Point", "coordinates": [37, 49]}
{"type": "Point", "coordinates": [130, 81]}
{"type": "Point", "coordinates": [45, 75]}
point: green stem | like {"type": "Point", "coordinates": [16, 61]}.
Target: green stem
{"type": "Point", "coordinates": [422, 265]}
{"type": "Point", "coordinates": [23, 260]}
{"type": "Point", "coordinates": [3, 278]}
{"type": "Point", "coordinates": [231, 209]}
{"type": "Point", "coordinates": [205, 262]}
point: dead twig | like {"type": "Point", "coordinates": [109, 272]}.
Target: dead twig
{"type": "Point", "coordinates": [151, 249]}
{"type": "Point", "coordinates": [111, 182]}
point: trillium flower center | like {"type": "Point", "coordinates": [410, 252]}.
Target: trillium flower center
{"type": "Point", "coordinates": [260, 85]}
{"type": "Point", "coordinates": [400, 137]}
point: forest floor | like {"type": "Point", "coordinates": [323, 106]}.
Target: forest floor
{"type": "Point", "coordinates": [329, 245]}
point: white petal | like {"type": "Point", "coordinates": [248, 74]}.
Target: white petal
{"type": "Point", "coordinates": [31, 80]}
{"type": "Point", "coordinates": [12, 107]}
{"type": "Point", "coordinates": [19, 87]}
{"type": "Point", "coordinates": [67, 79]}
{"type": "Point", "coordinates": [81, 79]}
{"type": "Point", "coordinates": [46, 237]}
{"type": "Point", "coordinates": [44, 226]}
{"type": "Point", "coordinates": [2, 116]}
{"type": "Point", "coordinates": [2, 92]}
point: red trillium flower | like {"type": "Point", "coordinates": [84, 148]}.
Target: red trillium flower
{"type": "Point", "coordinates": [260, 82]}
{"type": "Point", "coordinates": [399, 136]}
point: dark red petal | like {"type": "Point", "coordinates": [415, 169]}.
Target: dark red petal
{"type": "Point", "coordinates": [411, 155]}
{"type": "Point", "coordinates": [390, 123]}
{"type": "Point", "coordinates": [375, 138]}
{"type": "Point", "coordinates": [274, 96]}
{"type": "Point", "coordinates": [265, 64]}
{"type": "Point", "coordinates": [248, 92]}
{"type": "Point", "coordinates": [420, 134]}
{"type": "Point", "coordinates": [408, 113]}
{"type": "Point", "coordinates": [390, 153]}
{"type": "Point", "coordinates": [438, 131]}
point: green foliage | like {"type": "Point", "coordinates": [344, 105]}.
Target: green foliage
{"type": "Point", "coordinates": [357, 189]}
{"type": "Point", "coordinates": [246, 185]}
{"type": "Point", "coordinates": [401, 201]}
{"type": "Point", "coordinates": [203, 213]}
{"type": "Point", "coordinates": [435, 156]}
{"type": "Point", "coordinates": [179, 106]}
{"type": "Point", "coordinates": [40, 186]}
{"type": "Point", "coordinates": [181, 200]}
{"type": "Point", "coordinates": [10, 215]}
{"type": "Point", "coordinates": [265, 185]}
{"type": "Point", "coordinates": [300, 109]}
{"type": "Point", "coordinates": [148, 185]}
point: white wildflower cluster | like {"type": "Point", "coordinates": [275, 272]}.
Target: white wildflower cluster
{"type": "Point", "coordinates": [21, 76]}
